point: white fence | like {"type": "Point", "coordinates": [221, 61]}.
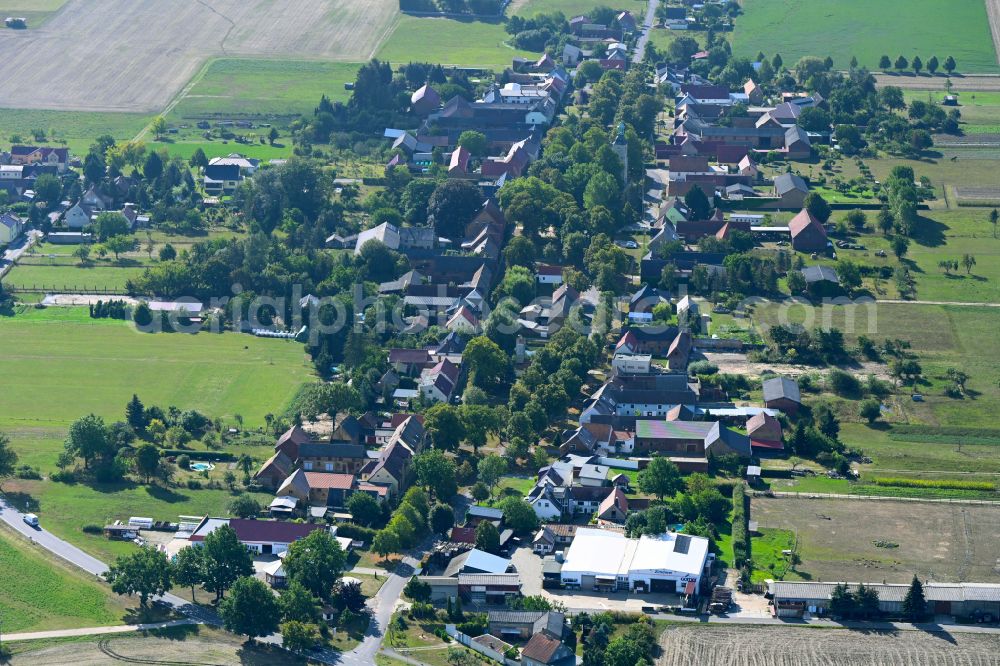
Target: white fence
{"type": "Point", "coordinates": [619, 462]}
{"type": "Point", "coordinates": [467, 641]}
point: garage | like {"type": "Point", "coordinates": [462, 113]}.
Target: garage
{"type": "Point", "coordinates": [587, 582]}
{"type": "Point", "coordinates": [663, 585]}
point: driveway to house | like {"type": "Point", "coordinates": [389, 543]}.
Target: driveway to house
{"type": "Point", "coordinates": [647, 25]}
{"type": "Point", "coordinates": [13, 253]}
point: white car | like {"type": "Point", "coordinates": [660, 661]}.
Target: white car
{"type": "Point", "coordinates": [31, 519]}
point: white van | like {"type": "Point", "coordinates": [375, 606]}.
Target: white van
{"type": "Point", "coordinates": [31, 519]}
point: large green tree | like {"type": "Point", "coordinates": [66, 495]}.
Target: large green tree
{"type": "Point", "coordinates": [88, 439]}
{"type": "Point", "coordinates": [8, 458]}
{"type": "Point", "coordinates": [251, 609]}
{"type": "Point", "coordinates": [486, 362]}
{"type": "Point", "coordinates": [145, 572]}
{"type": "Point", "coordinates": [316, 562]}
{"type": "Point", "coordinates": [225, 560]}
{"type": "Point", "coordinates": [436, 471]}
{"type": "Point", "coordinates": [444, 426]}
{"type": "Point", "coordinates": [661, 478]}
{"type": "Point", "coordinates": [188, 568]}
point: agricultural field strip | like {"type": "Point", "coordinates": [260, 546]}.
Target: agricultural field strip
{"type": "Point", "coordinates": [796, 646]}
{"type": "Point", "coordinates": [86, 40]}
{"type": "Point", "coordinates": [993, 12]}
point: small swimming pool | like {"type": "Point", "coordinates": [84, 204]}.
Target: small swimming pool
{"type": "Point", "coordinates": [202, 466]}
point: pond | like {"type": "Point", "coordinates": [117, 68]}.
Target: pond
{"type": "Point", "coordinates": [202, 466]}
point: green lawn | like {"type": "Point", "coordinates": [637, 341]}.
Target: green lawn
{"type": "Point", "coordinates": [61, 365]}
{"type": "Point", "coordinates": [262, 88]}
{"type": "Point", "coordinates": [62, 275]}
{"type": "Point", "coordinates": [573, 8]}
{"type": "Point", "coordinates": [41, 593]}
{"type": "Point", "coordinates": [768, 562]}
{"type": "Point", "coordinates": [859, 28]}
{"type": "Point", "coordinates": [64, 365]}
{"type": "Point", "coordinates": [449, 42]}
{"type": "Point", "coordinates": [77, 128]}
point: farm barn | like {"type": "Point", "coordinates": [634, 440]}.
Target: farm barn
{"type": "Point", "coordinates": [966, 600]}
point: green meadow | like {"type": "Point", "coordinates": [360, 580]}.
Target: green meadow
{"type": "Point", "coordinates": [60, 364]}
{"type": "Point", "coordinates": [449, 42]}
{"type": "Point", "coordinates": [261, 88]}
{"type": "Point", "coordinates": [41, 593]}
{"type": "Point", "coordinates": [867, 30]}
{"type": "Point", "coordinates": [573, 8]}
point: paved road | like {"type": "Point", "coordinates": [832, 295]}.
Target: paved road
{"type": "Point", "coordinates": [13, 253]}
{"type": "Point", "coordinates": [647, 25]}
{"type": "Point", "coordinates": [15, 518]}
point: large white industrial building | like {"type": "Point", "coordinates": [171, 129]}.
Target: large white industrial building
{"type": "Point", "coordinates": [608, 560]}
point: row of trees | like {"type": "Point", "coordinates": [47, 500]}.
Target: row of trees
{"type": "Point", "coordinates": [901, 64]}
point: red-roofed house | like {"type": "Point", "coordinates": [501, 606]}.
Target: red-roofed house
{"type": "Point", "coordinates": [808, 234]}
{"type": "Point", "coordinates": [438, 383]}
{"type": "Point", "coordinates": [261, 536]}
{"type": "Point", "coordinates": [458, 167]}
{"type": "Point", "coordinates": [425, 101]}
{"type": "Point", "coordinates": [614, 507]}
{"type": "Point", "coordinates": [765, 434]}
{"type": "Point", "coordinates": [290, 441]}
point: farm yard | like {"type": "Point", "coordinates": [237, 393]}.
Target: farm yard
{"type": "Point", "coordinates": [797, 646]}
{"type": "Point", "coordinates": [86, 40]}
{"type": "Point", "coordinates": [847, 28]}
{"type": "Point", "coordinates": [937, 541]}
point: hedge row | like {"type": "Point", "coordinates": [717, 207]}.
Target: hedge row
{"type": "Point", "coordinates": [210, 456]}
{"type": "Point", "coordinates": [949, 484]}
{"type": "Point", "coordinates": [356, 532]}
{"type": "Point", "coordinates": [741, 535]}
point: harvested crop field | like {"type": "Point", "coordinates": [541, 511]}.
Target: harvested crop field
{"type": "Point", "coordinates": [787, 646]}
{"type": "Point", "coordinates": [135, 55]}
{"type": "Point", "coordinates": [937, 541]}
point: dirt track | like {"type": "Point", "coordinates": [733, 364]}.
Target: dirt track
{"type": "Point", "coordinates": [135, 55]}
{"type": "Point", "coordinates": [781, 646]}
{"type": "Point", "coordinates": [993, 12]}
{"type": "Point", "coordinates": [925, 82]}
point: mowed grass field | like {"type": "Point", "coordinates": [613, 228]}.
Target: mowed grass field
{"type": "Point", "coordinates": [573, 8]}
{"type": "Point", "coordinates": [936, 541]}
{"type": "Point", "coordinates": [449, 42]}
{"type": "Point", "coordinates": [859, 28]}
{"type": "Point", "coordinates": [58, 365]}
{"type": "Point", "coordinates": [256, 87]}
{"type": "Point", "coordinates": [42, 593]}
